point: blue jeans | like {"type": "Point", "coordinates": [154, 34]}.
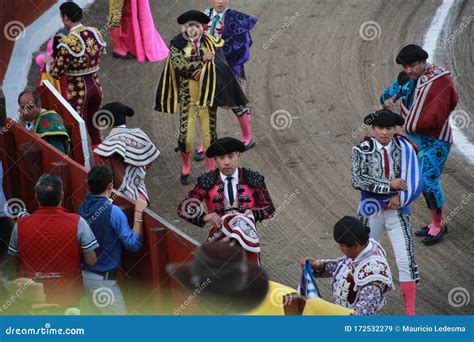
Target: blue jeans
{"type": "Point", "coordinates": [101, 297]}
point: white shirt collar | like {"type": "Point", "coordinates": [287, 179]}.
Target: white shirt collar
{"type": "Point", "coordinates": [366, 250]}
{"type": "Point", "coordinates": [75, 27]}
{"type": "Point", "coordinates": [379, 145]}
{"type": "Point", "coordinates": [235, 175]}
{"type": "Point", "coordinates": [221, 14]}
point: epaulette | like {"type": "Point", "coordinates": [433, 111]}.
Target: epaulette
{"type": "Point", "coordinates": [216, 42]}
{"type": "Point", "coordinates": [207, 180]}
{"type": "Point", "coordinates": [253, 178]}
{"type": "Point", "coordinates": [98, 35]}
{"type": "Point", "coordinates": [179, 42]}
{"type": "Point", "coordinates": [366, 146]}
{"type": "Point", "coordinates": [372, 269]}
{"type": "Point", "coordinates": [74, 44]}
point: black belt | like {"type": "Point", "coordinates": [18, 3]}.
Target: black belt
{"type": "Point", "coordinates": [108, 275]}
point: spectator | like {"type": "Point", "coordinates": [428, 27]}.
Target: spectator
{"type": "Point", "coordinates": [111, 228]}
{"type": "Point", "coordinates": [49, 243]}
{"type": "Point", "coordinates": [47, 124]}
{"type": "Point", "coordinates": [222, 280]}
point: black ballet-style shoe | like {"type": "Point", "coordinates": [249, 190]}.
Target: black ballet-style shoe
{"type": "Point", "coordinates": [119, 56]}
{"type": "Point", "coordinates": [251, 144]}
{"type": "Point", "coordinates": [431, 240]}
{"type": "Point", "coordinates": [198, 156]}
{"type": "Point", "coordinates": [184, 179]}
{"type": "Point", "coordinates": [422, 231]}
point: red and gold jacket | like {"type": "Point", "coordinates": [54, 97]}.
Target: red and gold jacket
{"type": "Point", "coordinates": [79, 53]}
{"type": "Point", "coordinates": [252, 194]}
{"type": "Point", "coordinates": [50, 253]}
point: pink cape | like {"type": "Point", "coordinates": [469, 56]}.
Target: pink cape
{"type": "Point", "coordinates": [138, 34]}
{"type": "Point", "coordinates": [60, 85]}
{"type": "Point", "coordinates": [49, 51]}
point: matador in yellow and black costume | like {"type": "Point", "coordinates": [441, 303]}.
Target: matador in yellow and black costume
{"type": "Point", "coordinates": [197, 79]}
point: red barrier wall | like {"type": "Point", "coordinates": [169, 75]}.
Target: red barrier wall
{"type": "Point", "coordinates": [24, 11]}
{"type": "Point", "coordinates": [146, 284]}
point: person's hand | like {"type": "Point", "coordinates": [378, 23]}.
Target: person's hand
{"type": "Point", "coordinates": [398, 184]}
{"type": "Point", "coordinates": [214, 219]}
{"type": "Point", "coordinates": [48, 59]}
{"type": "Point", "coordinates": [197, 74]}
{"type": "Point", "coordinates": [208, 56]}
{"type": "Point", "coordinates": [140, 205]}
{"type": "Point", "coordinates": [314, 263]}
{"type": "Point", "coordinates": [390, 104]}
{"type": "Point", "coordinates": [393, 202]}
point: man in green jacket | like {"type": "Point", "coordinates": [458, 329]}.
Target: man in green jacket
{"type": "Point", "coordinates": [47, 124]}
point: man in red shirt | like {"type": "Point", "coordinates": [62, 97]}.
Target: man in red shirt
{"type": "Point", "coordinates": [50, 243]}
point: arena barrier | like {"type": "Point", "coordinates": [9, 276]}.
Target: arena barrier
{"type": "Point", "coordinates": [147, 287]}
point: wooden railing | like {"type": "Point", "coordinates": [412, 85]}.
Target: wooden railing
{"type": "Point", "coordinates": [51, 99]}
{"type": "Point", "coordinates": [147, 286]}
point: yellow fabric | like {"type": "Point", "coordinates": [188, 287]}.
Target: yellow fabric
{"type": "Point", "coordinates": [48, 133]}
{"type": "Point", "coordinates": [114, 18]}
{"type": "Point", "coordinates": [273, 305]}
{"type": "Point", "coordinates": [189, 48]}
{"type": "Point", "coordinates": [55, 83]}
{"type": "Point", "coordinates": [320, 307]}
{"type": "Point", "coordinates": [200, 114]}
{"type": "Point", "coordinates": [168, 88]}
